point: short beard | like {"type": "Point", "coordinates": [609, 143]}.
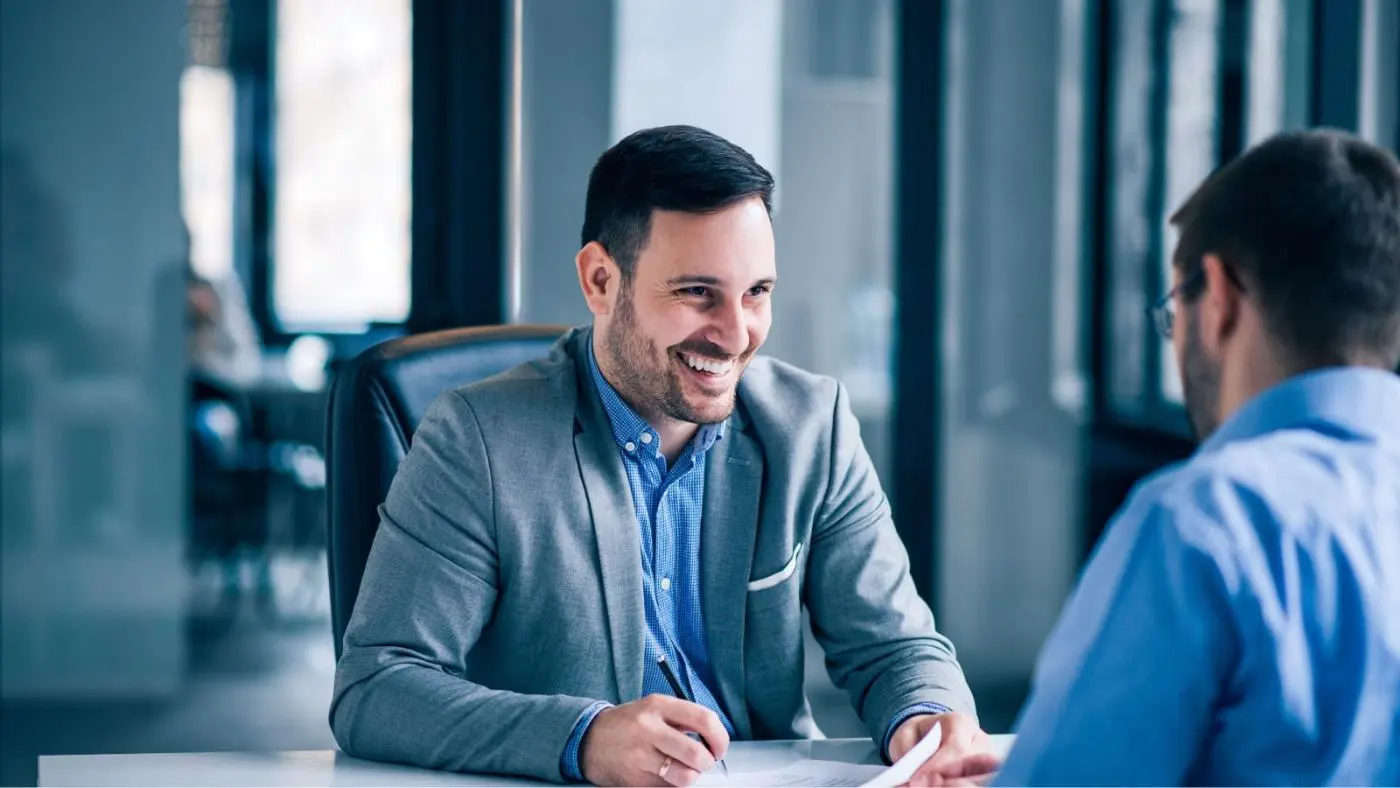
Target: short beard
{"type": "Point", "coordinates": [1200, 381]}
{"type": "Point", "coordinates": [650, 389]}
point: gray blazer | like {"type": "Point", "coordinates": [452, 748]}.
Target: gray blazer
{"type": "Point", "coordinates": [503, 593]}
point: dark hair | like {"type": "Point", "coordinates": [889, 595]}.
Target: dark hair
{"type": "Point", "coordinates": [671, 168]}
{"type": "Point", "coordinates": [1309, 223]}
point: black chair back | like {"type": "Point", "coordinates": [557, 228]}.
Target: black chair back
{"type": "Point", "coordinates": [376, 403]}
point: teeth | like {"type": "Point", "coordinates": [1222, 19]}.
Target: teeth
{"type": "Point", "coordinates": [706, 365]}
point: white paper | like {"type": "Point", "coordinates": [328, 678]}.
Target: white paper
{"type": "Point", "coordinates": [801, 774]}
{"type": "Point", "coordinates": [904, 768]}
{"type": "Point", "coordinates": [835, 774]}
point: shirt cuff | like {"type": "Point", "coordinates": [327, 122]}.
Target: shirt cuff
{"type": "Point", "coordinates": [916, 709]}
{"type": "Point", "coordinates": [568, 764]}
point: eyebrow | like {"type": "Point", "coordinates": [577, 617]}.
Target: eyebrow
{"type": "Point", "coordinates": [712, 281]}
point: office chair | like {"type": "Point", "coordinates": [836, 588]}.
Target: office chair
{"type": "Point", "coordinates": [376, 404]}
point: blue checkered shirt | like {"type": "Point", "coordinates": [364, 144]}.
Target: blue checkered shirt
{"type": "Point", "coordinates": [668, 504]}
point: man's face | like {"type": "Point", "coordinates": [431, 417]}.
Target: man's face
{"type": "Point", "coordinates": [694, 314]}
{"type": "Point", "coordinates": [1200, 376]}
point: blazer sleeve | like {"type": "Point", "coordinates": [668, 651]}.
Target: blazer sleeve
{"type": "Point", "coordinates": [881, 644]}
{"type": "Point", "coordinates": [428, 591]}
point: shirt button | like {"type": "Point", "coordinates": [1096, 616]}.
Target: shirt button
{"type": "Point", "coordinates": [646, 437]}
{"type": "Point", "coordinates": [630, 446]}
{"type": "Point", "coordinates": [665, 584]}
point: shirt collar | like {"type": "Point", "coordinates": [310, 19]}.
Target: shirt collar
{"type": "Point", "coordinates": [629, 428]}
{"type": "Point", "coordinates": [1357, 400]}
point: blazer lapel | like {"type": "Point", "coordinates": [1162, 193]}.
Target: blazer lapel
{"type": "Point", "coordinates": [619, 542]}
{"type": "Point", "coordinates": [733, 486]}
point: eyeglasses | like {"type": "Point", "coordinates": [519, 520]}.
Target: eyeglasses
{"type": "Point", "coordinates": [1163, 313]}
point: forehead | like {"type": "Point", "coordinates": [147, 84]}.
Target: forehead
{"type": "Point", "coordinates": [733, 243]}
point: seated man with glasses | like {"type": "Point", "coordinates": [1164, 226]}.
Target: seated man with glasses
{"type": "Point", "coordinates": [1240, 622]}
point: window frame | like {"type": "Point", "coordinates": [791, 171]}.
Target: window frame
{"type": "Point", "coordinates": [461, 102]}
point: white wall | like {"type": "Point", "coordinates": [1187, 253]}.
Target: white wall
{"type": "Point", "coordinates": [93, 479]}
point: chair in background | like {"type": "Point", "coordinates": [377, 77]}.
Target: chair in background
{"type": "Point", "coordinates": [376, 404]}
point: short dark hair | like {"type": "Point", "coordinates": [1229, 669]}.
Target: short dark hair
{"type": "Point", "coordinates": [670, 168]}
{"type": "Point", "coordinates": [1309, 222]}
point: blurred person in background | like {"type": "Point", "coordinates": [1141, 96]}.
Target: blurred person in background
{"type": "Point", "coordinates": [223, 343]}
{"type": "Point", "coordinates": [225, 363]}
{"type": "Point", "coordinates": [1240, 622]}
{"type": "Point", "coordinates": [225, 358]}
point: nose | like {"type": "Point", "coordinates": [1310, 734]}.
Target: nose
{"type": "Point", "coordinates": [730, 329]}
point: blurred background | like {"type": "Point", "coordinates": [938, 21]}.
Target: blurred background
{"type": "Point", "coordinates": [210, 205]}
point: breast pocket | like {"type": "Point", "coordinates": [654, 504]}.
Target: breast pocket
{"type": "Point", "coordinates": [769, 581]}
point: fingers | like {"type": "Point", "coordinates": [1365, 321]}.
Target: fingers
{"type": "Point", "coordinates": [959, 769]}
{"type": "Point", "coordinates": [673, 772]}
{"type": "Point", "coordinates": [685, 751]}
{"type": "Point", "coordinates": [908, 734]}
{"type": "Point", "coordinates": [948, 753]}
{"type": "Point", "coordinates": [977, 765]}
{"type": "Point", "coordinates": [694, 717]}
{"type": "Point", "coordinates": [970, 782]}
{"type": "Point", "coordinates": [955, 755]}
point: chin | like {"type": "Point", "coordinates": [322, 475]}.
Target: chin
{"type": "Point", "coordinates": [710, 408]}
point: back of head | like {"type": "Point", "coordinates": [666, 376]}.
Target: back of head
{"type": "Point", "coordinates": [670, 168]}
{"type": "Point", "coordinates": [1310, 224]}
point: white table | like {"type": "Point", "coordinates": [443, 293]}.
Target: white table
{"type": "Point", "coordinates": [329, 767]}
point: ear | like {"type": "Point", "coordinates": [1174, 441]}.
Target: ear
{"type": "Point", "coordinates": [1220, 305]}
{"type": "Point", "coordinates": [599, 277]}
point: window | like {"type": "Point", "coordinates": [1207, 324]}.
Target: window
{"type": "Point", "coordinates": [1272, 49]}
{"type": "Point", "coordinates": [343, 154]}
{"type": "Point", "coordinates": [1192, 83]}
{"type": "Point", "coordinates": [1379, 86]}
{"type": "Point", "coordinates": [206, 167]}
{"type": "Point", "coordinates": [1192, 124]}
{"type": "Point", "coordinates": [206, 141]}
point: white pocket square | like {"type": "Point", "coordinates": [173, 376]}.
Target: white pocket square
{"type": "Point", "coordinates": [780, 575]}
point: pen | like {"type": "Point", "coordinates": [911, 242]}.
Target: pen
{"type": "Point", "coordinates": [679, 692]}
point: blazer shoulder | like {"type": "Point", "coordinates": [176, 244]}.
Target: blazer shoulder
{"type": "Point", "coordinates": [773, 390]}
{"type": "Point", "coordinates": [528, 394]}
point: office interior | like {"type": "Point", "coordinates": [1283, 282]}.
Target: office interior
{"type": "Point", "coordinates": [210, 206]}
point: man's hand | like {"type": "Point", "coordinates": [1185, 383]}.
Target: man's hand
{"type": "Point", "coordinates": [964, 756]}
{"type": "Point", "coordinates": [645, 743]}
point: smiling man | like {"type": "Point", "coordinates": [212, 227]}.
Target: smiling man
{"type": "Point", "coordinates": [652, 498]}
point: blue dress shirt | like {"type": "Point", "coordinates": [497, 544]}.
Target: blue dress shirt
{"type": "Point", "coordinates": [669, 505]}
{"type": "Point", "coordinates": [1240, 622]}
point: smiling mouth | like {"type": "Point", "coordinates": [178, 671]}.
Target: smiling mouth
{"type": "Point", "coordinates": [707, 370]}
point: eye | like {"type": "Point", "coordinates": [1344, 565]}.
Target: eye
{"type": "Point", "coordinates": [696, 291]}
{"type": "Point", "coordinates": [759, 290]}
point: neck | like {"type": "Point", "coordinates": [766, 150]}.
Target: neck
{"type": "Point", "coordinates": [1257, 370]}
{"type": "Point", "coordinates": [675, 435]}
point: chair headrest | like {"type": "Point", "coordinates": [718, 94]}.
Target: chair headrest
{"type": "Point", "coordinates": [376, 403]}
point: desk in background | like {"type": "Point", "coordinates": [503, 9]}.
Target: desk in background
{"type": "Point", "coordinates": [329, 767]}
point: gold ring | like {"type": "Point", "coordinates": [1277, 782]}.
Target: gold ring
{"type": "Point", "coordinates": [665, 767]}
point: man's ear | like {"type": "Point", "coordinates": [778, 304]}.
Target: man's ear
{"type": "Point", "coordinates": [599, 277]}
{"type": "Point", "coordinates": [1219, 311]}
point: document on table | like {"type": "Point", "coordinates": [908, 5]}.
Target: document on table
{"type": "Point", "coordinates": [802, 774]}
{"type": "Point", "coordinates": [836, 774]}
